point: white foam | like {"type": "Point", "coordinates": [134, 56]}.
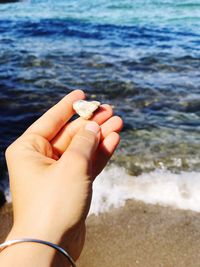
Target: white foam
{"type": "Point", "coordinates": [114, 186]}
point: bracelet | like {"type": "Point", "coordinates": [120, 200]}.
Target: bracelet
{"type": "Point", "coordinates": [32, 240]}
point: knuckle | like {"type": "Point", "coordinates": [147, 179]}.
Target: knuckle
{"type": "Point", "coordinates": [90, 138]}
{"type": "Point", "coordinates": [13, 149]}
{"type": "Point", "coordinates": [9, 151]}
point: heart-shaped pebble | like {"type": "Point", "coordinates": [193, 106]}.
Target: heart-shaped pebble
{"type": "Point", "coordinates": [85, 108]}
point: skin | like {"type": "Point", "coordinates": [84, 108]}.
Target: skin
{"type": "Point", "coordinates": [52, 167]}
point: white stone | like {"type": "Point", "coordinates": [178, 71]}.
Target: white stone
{"type": "Point", "coordinates": [85, 109]}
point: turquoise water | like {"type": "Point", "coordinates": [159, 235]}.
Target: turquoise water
{"type": "Point", "coordinates": [143, 57]}
{"type": "Point", "coordinates": [121, 12]}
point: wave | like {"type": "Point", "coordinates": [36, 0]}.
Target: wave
{"type": "Point", "coordinates": [114, 186]}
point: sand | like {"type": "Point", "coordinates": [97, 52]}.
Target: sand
{"type": "Point", "coordinates": [136, 235]}
{"type": "Point", "coordinates": [5, 220]}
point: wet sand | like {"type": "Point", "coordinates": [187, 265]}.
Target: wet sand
{"type": "Point", "coordinates": [136, 235]}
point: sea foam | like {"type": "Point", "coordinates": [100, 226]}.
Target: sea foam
{"type": "Point", "coordinates": [114, 186]}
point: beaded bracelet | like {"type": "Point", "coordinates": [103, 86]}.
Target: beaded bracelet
{"type": "Point", "coordinates": [32, 240]}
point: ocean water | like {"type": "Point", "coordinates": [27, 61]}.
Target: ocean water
{"type": "Point", "coordinates": [141, 56]}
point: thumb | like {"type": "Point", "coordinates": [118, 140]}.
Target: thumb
{"type": "Point", "coordinates": [83, 144]}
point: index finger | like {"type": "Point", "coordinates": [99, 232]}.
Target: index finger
{"type": "Point", "coordinates": [49, 124]}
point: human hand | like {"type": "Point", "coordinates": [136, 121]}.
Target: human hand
{"type": "Point", "coordinates": [52, 167]}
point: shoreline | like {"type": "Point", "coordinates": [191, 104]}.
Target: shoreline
{"type": "Point", "coordinates": [137, 234]}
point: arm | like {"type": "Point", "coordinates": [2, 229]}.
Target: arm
{"type": "Point", "coordinates": [52, 167]}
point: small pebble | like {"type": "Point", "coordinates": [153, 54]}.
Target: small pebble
{"type": "Point", "coordinates": [85, 109]}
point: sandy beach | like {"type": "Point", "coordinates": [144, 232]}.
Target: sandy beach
{"type": "Point", "coordinates": [142, 58]}
{"type": "Point", "coordinates": [136, 235]}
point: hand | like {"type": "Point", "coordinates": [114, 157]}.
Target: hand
{"type": "Point", "coordinates": [52, 167]}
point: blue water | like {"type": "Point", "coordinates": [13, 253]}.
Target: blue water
{"type": "Point", "coordinates": [141, 56]}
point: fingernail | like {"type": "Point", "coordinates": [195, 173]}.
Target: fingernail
{"type": "Point", "coordinates": [92, 127]}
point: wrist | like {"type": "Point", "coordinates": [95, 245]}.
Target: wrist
{"type": "Point", "coordinates": [71, 240]}
{"type": "Point", "coordinates": [33, 231]}
{"type": "Point", "coordinates": [25, 252]}
{"type": "Point", "coordinates": [41, 253]}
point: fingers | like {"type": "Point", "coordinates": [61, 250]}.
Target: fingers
{"type": "Point", "coordinates": [114, 124]}
{"type": "Point", "coordinates": [104, 153]}
{"type": "Point", "coordinates": [55, 118]}
{"type": "Point", "coordinates": [82, 147]}
{"type": "Point", "coordinates": [104, 112]}
{"type": "Point", "coordinates": [62, 140]}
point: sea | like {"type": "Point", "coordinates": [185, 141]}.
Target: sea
{"type": "Point", "coordinates": [142, 57]}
